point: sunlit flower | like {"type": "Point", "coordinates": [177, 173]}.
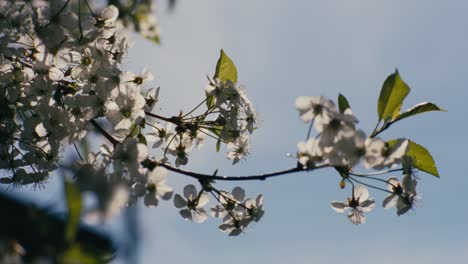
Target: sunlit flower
{"type": "Point", "coordinates": [317, 108]}
{"type": "Point", "coordinates": [238, 149]}
{"type": "Point", "coordinates": [192, 204]}
{"type": "Point", "coordinates": [255, 208]}
{"type": "Point", "coordinates": [155, 187]}
{"type": "Point", "coordinates": [380, 155]}
{"type": "Point", "coordinates": [228, 202]}
{"type": "Point", "coordinates": [358, 204]}
{"type": "Point", "coordinates": [403, 194]}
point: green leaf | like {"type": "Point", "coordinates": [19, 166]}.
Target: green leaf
{"type": "Point", "coordinates": [343, 103]}
{"type": "Point", "coordinates": [73, 196]}
{"type": "Point", "coordinates": [142, 139]}
{"type": "Point", "coordinates": [420, 156]}
{"type": "Point", "coordinates": [225, 69]}
{"type": "Point", "coordinates": [76, 254]}
{"type": "Point", "coordinates": [418, 109]}
{"type": "Point", "coordinates": [210, 101]}
{"type": "Point", "coordinates": [218, 145]}
{"type": "Point", "coordinates": [394, 91]}
{"type": "Point", "coordinates": [134, 131]}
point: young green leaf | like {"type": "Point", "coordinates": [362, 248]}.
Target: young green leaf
{"type": "Point", "coordinates": [77, 254]}
{"type": "Point", "coordinates": [225, 69]}
{"type": "Point", "coordinates": [420, 156]}
{"type": "Point", "coordinates": [210, 101]}
{"type": "Point", "coordinates": [73, 196]}
{"type": "Point", "coordinates": [394, 91]}
{"type": "Point", "coordinates": [418, 109]}
{"type": "Point", "coordinates": [134, 131]}
{"type": "Point", "coordinates": [343, 103]}
{"type": "Point", "coordinates": [218, 145]}
{"type": "Point", "coordinates": [142, 139]}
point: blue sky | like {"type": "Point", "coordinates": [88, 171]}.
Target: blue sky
{"type": "Point", "coordinates": [284, 49]}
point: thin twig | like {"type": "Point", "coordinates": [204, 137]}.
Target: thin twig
{"type": "Point", "coordinates": [374, 173]}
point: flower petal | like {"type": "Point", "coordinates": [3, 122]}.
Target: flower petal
{"type": "Point", "coordinates": [150, 200]}
{"type": "Point", "coordinates": [190, 192]}
{"type": "Point", "coordinates": [179, 202]}
{"type": "Point", "coordinates": [367, 205]}
{"type": "Point", "coordinates": [204, 199]}
{"type": "Point", "coordinates": [186, 214]}
{"type": "Point", "coordinates": [339, 207]}
{"type": "Point", "coordinates": [199, 216]}
{"type": "Point", "coordinates": [389, 201]}
{"type": "Point", "coordinates": [356, 217]}
{"type": "Point", "coordinates": [238, 193]}
{"type": "Point", "coordinates": [361, 192]}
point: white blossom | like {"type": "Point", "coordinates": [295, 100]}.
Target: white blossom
{"type": "Point", "coordinates": [359, 204]}
{"type": "Point", "coordinates": [192, 207]}
{"type": "Point", "coordinates": [156, 187]}
{"type": "Point", "coordinates": [238, 149]}
{"type": "Point", "coordinates": [402, 194]}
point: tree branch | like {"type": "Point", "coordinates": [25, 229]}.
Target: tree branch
{"type": "Point", "coordinates": [262, 177]}
{"type": "Point", "coordinates": [171, 120]}
{"type": "Point", "coordinates": [104, 132]}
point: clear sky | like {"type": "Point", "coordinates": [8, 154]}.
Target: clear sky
{"type": "Point", "coordinates": [284, 49]}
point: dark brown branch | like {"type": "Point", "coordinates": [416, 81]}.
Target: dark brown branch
{"type": "Point", "coordinates": [174, 120]}
{"type": "Point", "coordinates": [104, 132]}
{"type": "Point", "coordinates": [201, 176]}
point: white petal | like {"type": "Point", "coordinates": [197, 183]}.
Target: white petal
{"type": "Point", "coordinates": [190, 192]}
{"type": "Point", "coordinates": [259, 200]}
{"type": "Point", "coordinates": [409, 184]}
{"type": "Point", "coordinates": [218, 211]}
{"type": "Point", "coordinates": [186, 214]}
{"type": "Point", "coordinates": [40, 130]}
{"type": "Point", "coordinates": [110, 13]}
{"type": "Point", "coordinates": [139, 189]}
{"type": "Point", "coordinates": [164, 191]}
{"type": "Point", "coordinates": [199, 216]}
{"type": "Point", "coordinates": [391, 182]}
{"type": "Point", "coordinates": [150, 200]}
{"type": "Point", "coordinates": [402, 207]}
{"type": "Point", "coordinates": [389, 201]}
{"type": "Point", "coordinates": [238, 193]}
{"type": "Point", "coordinates": [142, 152]}
{"type": "Point", "coordinates": [367, 205]}
{"type": "Point", "coordinates": [123, 124]}
{"type": "Point", "coordinates": [303, 103]}
{"type": "Point", "coordinates": [356, 217]}
{"type": "Point", "coordinates": [361, 192]}
{"type": "Point", "coordinates": [204, 199]}
{"type": "Point", "coordinates": [179, 202]}
{"type": "Point", "coordinates": [339, 207]}
{"type": "Point", "coordinates": [235, 232]}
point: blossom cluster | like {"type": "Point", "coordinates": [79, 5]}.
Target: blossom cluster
{"type": "Point", "coordinates": [236, 118]}
{"type": "Point", "coordinates": [61, 77]}
{"type": "Point", "coordinates": [339, 144]}
{"type": "Point", "coordinates": [236, 211]}
{"type": "Point", "coordinates": [58, 72]}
